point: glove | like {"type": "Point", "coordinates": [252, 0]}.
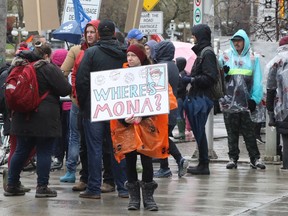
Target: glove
{"type": "Point", "coordinates": [272, 121]}
{"type": "Point", "coordinates": [187, 80]}
{"type": "Point", "coordinates": [251, 105]}
{"type": "Point", "coordinates": [226, 69]}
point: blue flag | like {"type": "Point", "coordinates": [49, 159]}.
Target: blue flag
{"type": "Point", "coordinates": [80, 16]}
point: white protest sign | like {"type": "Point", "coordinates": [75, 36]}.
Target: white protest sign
{"type": "Point", "coordinates": [151, 22]}
{"type": "Point", "coordinates": [91, 8]}
{"type": "Point", "coordinates": [117, 94]}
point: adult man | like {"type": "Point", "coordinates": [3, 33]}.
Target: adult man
{"type": "Point", "coordinates": [276, 102]}
{"type": "Point", "coordinates": [243, 91]}
{"type": "Point", "coordinates": [199, 101]}
{"type": "Point", "coordinates": [135, 36]}
{"type": "Point", "coordinates": [107, 54]}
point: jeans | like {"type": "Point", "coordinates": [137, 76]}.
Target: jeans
{"type": "Point", "coordinates": [44, 148]}
{"type": "Point", "coordinates": [95, 133]}
{"type": "Point", "coordinates": [74, 140]}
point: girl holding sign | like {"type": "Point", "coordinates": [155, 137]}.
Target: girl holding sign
{"type": "Point", "coordinates": [146, 136]}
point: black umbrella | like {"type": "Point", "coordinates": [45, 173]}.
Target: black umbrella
{"type": "Point", "coordinates": [69, 32]}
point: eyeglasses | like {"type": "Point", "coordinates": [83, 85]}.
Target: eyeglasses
{"type": "Point", "coordinates": [90, 32]}
{"type": "Point", "coordinates": [38, 44]}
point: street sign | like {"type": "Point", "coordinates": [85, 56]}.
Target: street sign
{"type": "Point", "coordinates": [91, 8]}
{"type": "Point", "coordinates": [148, 5]}
{"type": "Point", "coordinates": [151, 22]}
{"type": "Point", "coordinates": [198, 12]}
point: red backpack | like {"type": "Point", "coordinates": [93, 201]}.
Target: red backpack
{"type": "Point", "coordinates": [21, 89]}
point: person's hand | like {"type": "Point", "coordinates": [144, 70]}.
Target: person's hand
{"type": "Point", "coordinates": [187, 79]}
{"type": "Point", "coordinates": [226, 69]}
{"type": "Point", "coordinates": [251, 105]}
{"type": "Point", "coordinates": [133, 120]}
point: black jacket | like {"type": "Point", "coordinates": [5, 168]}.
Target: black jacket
{"type": "Point", "coordinates": [45, 122]}
{"type": "Point", "coordinates": [181, 90]}
{"type": "Point", "coordinates": [204, 70]}
{"type": "Point", "coordinates": [105, 55]}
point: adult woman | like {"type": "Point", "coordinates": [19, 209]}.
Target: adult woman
{"type": "Point", "coordinates": [129, 140]}
{"type": "Point", "coordinates": [38, 128]}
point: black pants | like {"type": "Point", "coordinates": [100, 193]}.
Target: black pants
{"type": "Point", "coordinates": [173, 150]}
{"type": "Point", "coordinates": [131, 161]}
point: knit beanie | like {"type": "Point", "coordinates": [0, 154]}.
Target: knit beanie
{"type": "Point", "coordinates": [138, 52]}
{"type": "Point", "coordinates": [283, 41]}
{"type": "Point", "coordinates": [58, 56]}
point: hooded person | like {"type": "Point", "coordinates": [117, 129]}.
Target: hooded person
{"type": "Point", "coordinates": [164, 53]}
{"type": "Point", "coordinates": [199, 102]}
{"type": "Point", "coordinates": [244, 91]}
{"type": "Point", "coordinates": [149, 47]}
{"type": "Point", "coordinates": [276, 100]}
{"type": "Point", "coordinates": [71, 63]}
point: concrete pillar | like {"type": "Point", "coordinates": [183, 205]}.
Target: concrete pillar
{"type": "Point", "coordinates": [270, 146]}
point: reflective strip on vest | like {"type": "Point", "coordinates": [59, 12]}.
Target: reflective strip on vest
{"type": "Point", "coordinates": [238, 71]}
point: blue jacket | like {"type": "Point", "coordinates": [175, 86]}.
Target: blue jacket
{"type": "Point", "coordinates": [244, 79]}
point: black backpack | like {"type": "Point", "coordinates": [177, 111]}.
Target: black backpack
{"type": "Point", "coordinates": [4, 72]}
{"type": "Point", "coordinates": [218, 90]}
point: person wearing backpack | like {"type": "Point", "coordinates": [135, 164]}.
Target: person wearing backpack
{"type": "Point", "coordinates": [40, 127]}
{"type": "Point", "coordinates": [243, 92]}
{"type": "Point", "coordinates": [199, 101]}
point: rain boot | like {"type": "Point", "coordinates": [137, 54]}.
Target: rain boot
{"type": "Point", "coordinates": [181, 129]}
{"type": "Point", "coordinates": [68, 177]}
{"type": "Point", "coordinates": [147, 195]}
{"type": "Point", "coordinates": [134, 193]}
{"type": "Point", "coordinates": [201, 169]}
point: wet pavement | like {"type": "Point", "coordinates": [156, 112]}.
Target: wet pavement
{"type": "Point", "coordinates": [243, 191]}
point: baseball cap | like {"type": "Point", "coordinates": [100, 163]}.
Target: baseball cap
{"type": "Point", "coordinates": [237, 37]}
{"type": "Point", "coordinates": [106, 28]}
{"type": "Point", "coordinates": [135, 34]}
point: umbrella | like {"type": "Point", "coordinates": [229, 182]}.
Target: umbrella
{"type": "Point", "coordinates": [183, 49]}
{"type": "Point", "coordinates": [69, 32]}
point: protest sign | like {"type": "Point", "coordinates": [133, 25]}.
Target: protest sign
{"type": "Point", "coordinates": [117, 94]}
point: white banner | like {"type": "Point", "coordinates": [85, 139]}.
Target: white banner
{"type": "Point", "coordinates": [91, 8]}
{"type": "Point", "coordinates": [151, 22]}
{"type": "Point", "coordinates": [117, 94]}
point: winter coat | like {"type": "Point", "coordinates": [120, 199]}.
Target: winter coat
{"type": "Point", "coordinates": [204, 71]}
{"type": "Point", "coordinates": [181, 90]}
{"type": "Point", "coordinates": [244, 79]}
{"type": "Point", "coordinates": [45, 122]}
{"type": "Point", "coordinates": [277, 85]}
{"type": "Point", "coordinates": [105, 55]}
{"type": "Point", "coordinates": [164, 53]}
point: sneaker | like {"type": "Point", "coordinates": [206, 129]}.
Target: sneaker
{"type": "Point", "coordinates": [260, 141]}
{"type": "Point", "coordinates": [182, 167]}
{"type": "Point", "coordinates": [107, 188]}
{"type": "Point", "coordinates": [88, 195]}
{"type": "Point", "coordinates": [56, 164]}
{"type": "Point", "coordinates": [258, 163]}
{"type": "Point", "coordinates": [163, 173]}
{"type": "Point", "coordinates": [14, 191]}
{"type": "Point", "coordinates": [44, 191]}
{"type": "Point", "coordinates": [231, 164]}
{"type": "Point", "coordinates": [80, 186]}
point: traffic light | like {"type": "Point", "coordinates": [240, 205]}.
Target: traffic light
{"type": "Point", "coordinates": [268, 3]}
